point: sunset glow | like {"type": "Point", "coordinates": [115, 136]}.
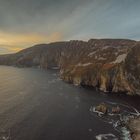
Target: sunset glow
{"type": "Point", "coordinates": [29, 22]}
{"type": "Point", "coordinates": [16, 42]}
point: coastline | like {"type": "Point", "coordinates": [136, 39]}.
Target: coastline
{"type": "Point", "coordinates": [127, 124]}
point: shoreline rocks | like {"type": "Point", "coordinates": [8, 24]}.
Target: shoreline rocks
{"type": "Point", "coordinates": [105, 109]}
{"type": "Point", "coordinates": [102, 108]}
{"type": "Point", "coordinates": [116, 109]}
{"type": "Point", "coordinates": [127, 123]}
{"type": "Point", "coordinates": [134, 127]}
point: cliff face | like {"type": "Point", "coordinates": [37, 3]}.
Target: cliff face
{"type": "Point", "coordinates": [102, 64]}
{"type": "Point", "coordinates": [112, 65]}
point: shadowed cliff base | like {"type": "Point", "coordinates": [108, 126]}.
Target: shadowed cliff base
{"type": "Point", "coordinates": [111, 65]}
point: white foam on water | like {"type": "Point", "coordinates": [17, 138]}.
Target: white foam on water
{"type": "Point", "coordinates": [106, 137]}
{"type": "Point", "coordinates": [98, 114]}
{"type": "Point", "coordinates": [123, 117]}
{"type": "Point", "coordinates": [5, 135]}
{"type": "Point", "coordinates": [112, 114]}
{"type": "Point", "coordinates": [126, 134]}
{"type": "Point", "coordinates": [116, 124]}
{"type": "Point", "coordinates": [136, 112]}
{"type": "Point", "coordinates": [92, 109]}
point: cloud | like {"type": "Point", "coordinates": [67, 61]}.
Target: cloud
{"type": "Point", "coordinates": [27, 22]}
{"type": "Point", "coordinates": [8, 49]}
{"type": "Point", "coordinates": [16, 42]}
{"type": "Point", "coordinates": [39, 16]}
{"type": "Point", "coordinates": [22, 39]}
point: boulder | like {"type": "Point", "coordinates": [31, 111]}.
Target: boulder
{"type": "Point", "coordinates": [134, 127]}
{"type": "Point", "coordinates": [102, 108]}
{"type": "Point", "coordinates": [116, 109]}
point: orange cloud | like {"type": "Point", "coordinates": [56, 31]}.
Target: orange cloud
{"type": "Point", "coordinates": [26, 40]}
{"type": "Point", "coordinates": [9, 49]}
{"type": "Point", "coordinates": [15, 49]}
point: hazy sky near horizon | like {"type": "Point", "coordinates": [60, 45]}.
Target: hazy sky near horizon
{"type": "Point", "coordinates": [24, 23]}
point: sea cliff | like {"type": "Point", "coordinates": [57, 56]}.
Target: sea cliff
{"type": "Point", "coordinates": [110, 65]}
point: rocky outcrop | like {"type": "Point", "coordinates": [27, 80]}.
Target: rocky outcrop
{"type": "Point", "coordinates": [134, 127]}
{"type": "Point", "coordinates": [106, 109]}
{"type": "Point", "coordinates": [102, 108]}
{"type": "Point", "coordinates": [111, 65]}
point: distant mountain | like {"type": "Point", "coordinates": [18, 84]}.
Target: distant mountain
{"type": "Point", "coordinates": [111, 65]}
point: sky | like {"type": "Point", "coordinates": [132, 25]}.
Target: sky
{"type": "Point", "coordinates": [24, 23]}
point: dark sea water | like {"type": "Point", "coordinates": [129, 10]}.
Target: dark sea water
{"type": "Point", "coordinates": [37, 105]}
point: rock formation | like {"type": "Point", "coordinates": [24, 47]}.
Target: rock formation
{"type": "Point", "coordinates": [102, 108]}
{"type": "Point", "coordinates": [111, 65]}
{"type": "Point", "coordinates": [134, 127]}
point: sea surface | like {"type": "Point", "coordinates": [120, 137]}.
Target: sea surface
{"type": "Point", "coordinates": [37, 105]}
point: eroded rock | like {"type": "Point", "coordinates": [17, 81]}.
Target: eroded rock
{"type": "Point", "coordinates": [134, 127]}
{"type": "Point", "coordinates": [116, 109]}
{"type": "Point", "coordinates": [102, 108]}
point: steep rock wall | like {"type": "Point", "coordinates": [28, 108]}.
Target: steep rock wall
{"type": "Point", "coordinates": [111, 65]}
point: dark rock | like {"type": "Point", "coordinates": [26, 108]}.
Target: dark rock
{"type": "Point", "coordinates": [134, 127]}
{"type": "Point", "coordinates": [116, 109]}
{"type": "Point", "coordinates": [102, 108]}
